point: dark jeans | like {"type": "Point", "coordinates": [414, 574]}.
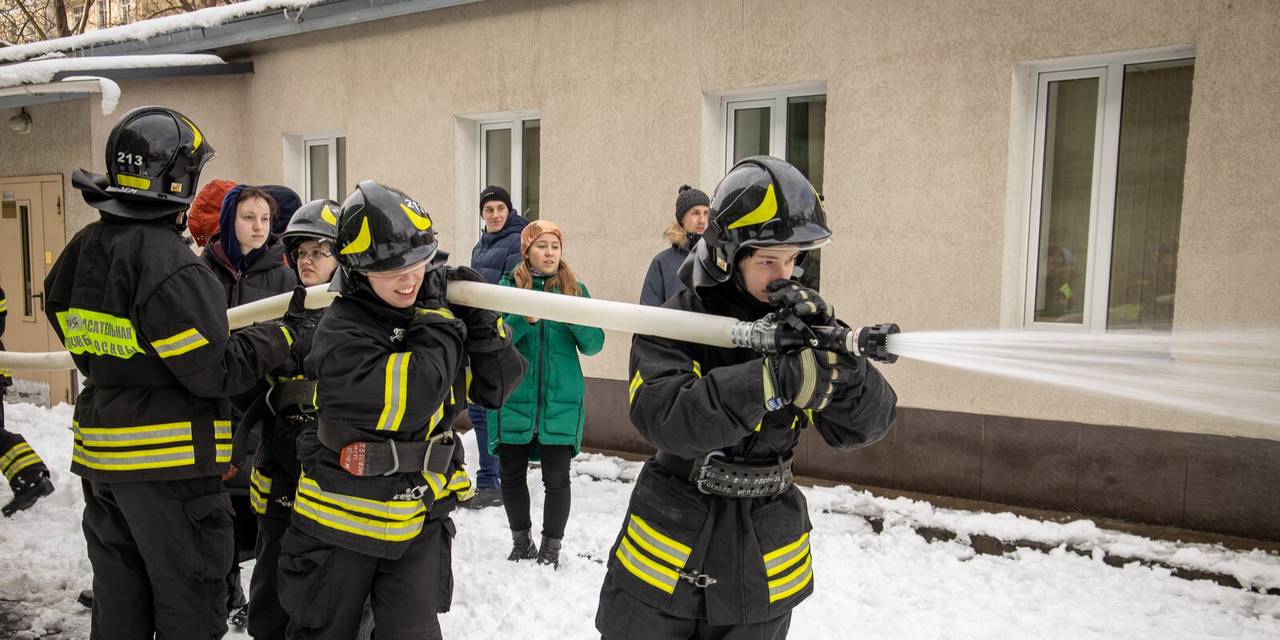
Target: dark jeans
{"type": "Point", "coordinates": [555, 478]}
{"type": "Point", "coordinates": [487, 476]}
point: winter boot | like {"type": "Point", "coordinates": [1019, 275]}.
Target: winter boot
{"type": "Point", "coordinates": [85, 598]}
{"type": "Point", "coordinates": [27, 488]}
{"type": "Point", "coordinates": [550, 552]}
{"type": "Point", "coordinates": [522, 546]}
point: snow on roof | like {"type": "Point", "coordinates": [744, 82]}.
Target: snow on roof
{"type": "Point", "coordinates": [145, 29]}
{"type": "Point", "coordinates": [42, 71]}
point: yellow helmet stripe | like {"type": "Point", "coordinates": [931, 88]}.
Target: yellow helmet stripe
{"type": "Point", "coordinates": [420, 221]}
{"type": "Point", "coordinates": [199, 136]}
{"type": "Point", "coordinates": [327, 216]}
{"type": "Point", "coordinates": [362, 241]}
{"type": "Point", "coordinates": [767, 211]}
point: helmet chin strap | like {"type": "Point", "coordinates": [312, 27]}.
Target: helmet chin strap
{"type": "Point", "coordinates": [180, 222]}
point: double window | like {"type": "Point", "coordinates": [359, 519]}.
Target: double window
{"type": "Point", "coordinates": [510, 158]}
{"type": "Point", "coordinates": [786, 124]}
{"type": "Point", "coordinates": [1106, 193]}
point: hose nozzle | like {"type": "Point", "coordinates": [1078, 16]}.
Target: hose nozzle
{"type": "Point", "coordinates": [873, 342]}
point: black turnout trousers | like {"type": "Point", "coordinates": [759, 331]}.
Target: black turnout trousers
{"type": "Point", "coordinates": [160, 552]}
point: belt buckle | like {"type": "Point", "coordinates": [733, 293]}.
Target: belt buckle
{"type": "Point", "coordinates": [438, 439]}
{"type": "Point", "coordinates": [700, 478]}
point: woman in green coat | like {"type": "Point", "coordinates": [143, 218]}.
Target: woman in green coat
{"type": "Point", "coordinates": [542, 420]}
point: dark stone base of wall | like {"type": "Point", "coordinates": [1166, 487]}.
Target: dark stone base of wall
{"type": "Point", "coordinates": [1193, 481]}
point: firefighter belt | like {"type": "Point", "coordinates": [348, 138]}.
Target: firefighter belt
{"type": "Point", "coordinates": [720, 475]}
{"type": "Point", "coordinates": [386, 457]}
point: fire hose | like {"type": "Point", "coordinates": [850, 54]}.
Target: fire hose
{"type": "Point", "coordinates": [766, 335]}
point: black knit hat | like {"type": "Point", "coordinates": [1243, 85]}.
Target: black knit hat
{"type": "Point", "coordinates": [687, 198]}
{"type": "Point", "coordinates": [494, 192]}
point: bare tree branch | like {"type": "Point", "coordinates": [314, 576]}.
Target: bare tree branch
{"type": "Point", "coordinates": [84, 17]}
{"type": "Point", "coordinates": [22, 4]}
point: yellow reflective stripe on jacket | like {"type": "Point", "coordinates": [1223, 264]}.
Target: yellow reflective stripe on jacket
{"type": "Point", "coordinates": [651, 555]}
{"type": "Point", "coordinates": [89, 442]}
{"type": "Point", "coordinates": [395, 392]}
{"type": "Point", "coordinates": [134, 460]}
{"type": "Point", "coordinates": [636, 381]}
{"type": "Point", "coordinates": [697, 368]}
{"type": "Point", "coordinates": [656, 543]}
{"type": "Point", "coordinates": [133, 436]}
{"type": "Point", "coordinates": [646, 569]}
{"type": "Point", "coordinates": [96, 333]}
{"type": "Point", "coordinates": [778, 559]}
{"type": "Point", "coordinates": [259, 489]}
{"type": "Point", "coordinates": [443, 312]}
{"type": "Point", "coordinates": [222, 441]}
{"type": "Point", "coordinates": [4, 306]}
{"type": "Point", "coordinates": [179, 343]}
{"type": "Point", "coordinates": [389, 520]}
{"type": "Point", "coordinates": [17, 458]}
{"type": "Point", "coordinates": [460, 486]}
{"type": "Point", "coordinates": [793, 582]}
{"type": "Point", "coordinates": [502, 329]}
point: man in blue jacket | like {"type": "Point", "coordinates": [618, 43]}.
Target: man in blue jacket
{"type": "Point", "coordinates": [497, 253]}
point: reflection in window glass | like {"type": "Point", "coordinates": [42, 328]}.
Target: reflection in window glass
{"type": "Point", "coordinates": [532, 167]}
{"type": "Point", "coordinates": [1070, 124]}
{"type": "Point", "coordinates": [341, 193]}
{"type": "Point", "coordinates": [750, 132]}
{"type": "Point", "coordinates": [806, 136]}
{"type": "Point", "coordinates": [318, 162]}
{"type": "Point", "coordinates": [497, 162]}
{"type": "Point", "coordinates": [1154, 119]}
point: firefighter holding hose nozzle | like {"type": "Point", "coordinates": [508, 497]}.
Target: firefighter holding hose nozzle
{"type": "Point", "coordinates": [715, 542]}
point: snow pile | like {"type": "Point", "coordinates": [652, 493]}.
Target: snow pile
{"type": "Point", "coordinates": [1256, 569]}
{"type": "Point", "coordinates": [42, 71]}
{"type": "Point", "coordinates": [894, 584]}
{"type": "Point", "coordinates": [202, 19]}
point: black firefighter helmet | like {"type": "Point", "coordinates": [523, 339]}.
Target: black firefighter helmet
{"type": "Point", "coordinates": [761, 202]}
{"type": "Point", "coordinates": [380, 229]}
{"type": "Point", "coordinates": [154, 159]}
{"type": "Point", "coordinates": [315, 220]}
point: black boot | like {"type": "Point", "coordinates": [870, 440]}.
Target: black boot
{"type": "Point", "coordinates": [522, 546]}
{"type": "Point", "coordinates": [85, 598]}
{"type": "Point", "coordinates": [550, 553]}
{"type": "Point", "coordinates": [27, 488]}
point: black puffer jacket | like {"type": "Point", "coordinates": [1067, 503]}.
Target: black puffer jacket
{"type": "Point", "coordinates": [690, 400]}
{"type": "Point", "coordinates": [266, 276]}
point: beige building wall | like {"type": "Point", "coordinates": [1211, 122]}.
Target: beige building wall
{"type": "Point", "coordinates": [925, 158]}
{"type": "Point", "coordinates": [58, 143]}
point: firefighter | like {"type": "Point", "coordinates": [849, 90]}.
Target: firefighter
{"type": "Point", "coordinates": [715, 543]}
{"type": "Point", "coordinates": [382, 470]}
{"type": "Point", "coordinates": [146, 324]}
{"type": "Point", "coordinates": [27, 474]}
{"type": "Point", "coordinates": [284, 411]}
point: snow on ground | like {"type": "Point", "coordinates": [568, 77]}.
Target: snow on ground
{"type": "Point", "coordinates": [891, 585]}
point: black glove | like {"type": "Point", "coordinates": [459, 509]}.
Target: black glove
{"type": "Point", "coordinates": [300, 323]}
{"type": "Point", "coordinates": [793, 298]}
{"type": "Point", "coordinates": [485, 329]}
{"type": "Point", "coordinates": [804, 378]}
{"type": "Point", "coordinates": [431, 295]}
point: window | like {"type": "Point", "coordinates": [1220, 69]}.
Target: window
{"type": "Point", "coordinates": [104, 13]}
{"type": "Point", "coordinates": [788, 124]}
{"type": "Point", "coordinates": [510, 158]}
{"type": "Point", "coordinates": [325, 172]}
{"type": "Point", "coordinates": [125, 6]}
{"type": "Point", "coordinates": [1106, 194]}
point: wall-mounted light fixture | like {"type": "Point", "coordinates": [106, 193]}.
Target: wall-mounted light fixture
{"type": "Point", "coordinates": [20, 123]}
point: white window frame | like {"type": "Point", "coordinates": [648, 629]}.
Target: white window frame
{"type": "Point", "coordinates": [516, 126]}
{"type": "Point", "coordinates": [1109, 69]}
{"type": "Point", "coordinates": [776, 99]}
{"type": "Point", "coordinates": [316, 140]}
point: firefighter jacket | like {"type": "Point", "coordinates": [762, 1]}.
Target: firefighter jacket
{"type": "Point", "coordinates": [690, 400]}
{"type": "Point", "coordinates": [146, 324]}
{"type": "Point", "coordinates": [274, 478]}
{"type": "Point", "coordinates": [390, 374]}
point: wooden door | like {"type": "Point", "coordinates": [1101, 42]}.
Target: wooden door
{"type": "Point", "coordinates": [32, 235]}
